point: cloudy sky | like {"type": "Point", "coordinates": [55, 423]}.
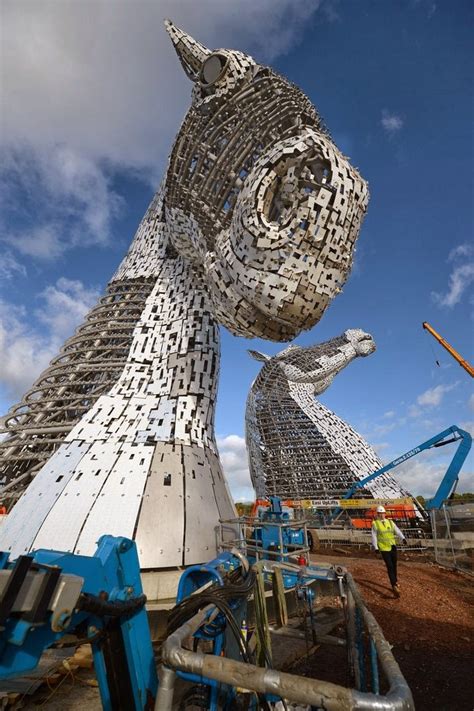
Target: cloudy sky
{"type": "Point", "coordinates": [91, 97]}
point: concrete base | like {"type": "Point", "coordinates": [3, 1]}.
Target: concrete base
{"type": "Point", "coordinates": [160, 587]}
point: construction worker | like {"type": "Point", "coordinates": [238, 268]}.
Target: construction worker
{"type": "Point", "coordinates": [384, 534]}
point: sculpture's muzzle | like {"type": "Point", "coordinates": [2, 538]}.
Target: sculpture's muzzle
{"type": "Point", "coordinates": [290, 243]}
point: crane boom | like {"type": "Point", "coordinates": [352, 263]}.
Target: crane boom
{"type": "Point", "coordinates": [462, 361]}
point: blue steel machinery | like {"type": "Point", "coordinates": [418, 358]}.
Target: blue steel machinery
{"type": "Point", "coordinates": [49, 594]}
{"type": "Point", "coordinates": [226, 607]}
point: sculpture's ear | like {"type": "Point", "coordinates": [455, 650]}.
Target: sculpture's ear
{"type": "Point", "coordinates": [259, 356]}
{"type": "Point", "coordinates": [289, 349]}
{"type": "Point", "coordinates": [191, 53]}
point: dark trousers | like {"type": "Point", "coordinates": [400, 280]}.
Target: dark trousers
{"type": "Point", "coordinates": [390, 559]}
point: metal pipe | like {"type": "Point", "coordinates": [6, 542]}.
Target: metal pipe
{"type": "Point", "coordinates": [351, 640]}
{"type": "Point", "coordinates": [448, 531]}
{"type": "Point", "coordinates": [360, 650]}
{"type": "Point", "coordinates": [374, 667]}
{"type": "Point", "coordinates": [164, 697]}
{"type": "Point", "coordinates": [43, 430]}
{"type": "Point", "coordinates": [15, 481]}
{"type": "Point", "coordinates": [292, 687]}
{"type": "Point", "coordinates": [238, 554]}
{"type": "Point", "coordinates": [399, 690]}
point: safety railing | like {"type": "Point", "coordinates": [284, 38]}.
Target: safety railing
{"type": "Point", "coordinates": [359, 537]}
{"type": "Point", "coordinates": [250, 543]}
{"type": "Point", "coordinates": [370, 658]}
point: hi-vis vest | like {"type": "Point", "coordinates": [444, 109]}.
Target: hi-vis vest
{"type": "Point", "coordinates": [385, 534]}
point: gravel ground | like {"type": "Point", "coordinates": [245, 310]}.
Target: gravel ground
{"type": "Point", "coordinates": [431, 628]}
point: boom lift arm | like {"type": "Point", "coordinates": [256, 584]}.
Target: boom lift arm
{"type": "Point", "coordinates": [450, 479]}
{"type": "Point", "coordinates": [462, 362]}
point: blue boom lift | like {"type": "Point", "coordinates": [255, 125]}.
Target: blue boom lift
{"type": "Point", "coordinates": [449, 481]}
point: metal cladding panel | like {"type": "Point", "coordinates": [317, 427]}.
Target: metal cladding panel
{"type": "Point", "coordinates": [202, 514]}
{"type": "Point", "coordinates": [116, 508]}
{"type": "Point", "coordinates": [222, 493]}
{"type": "Point", "coordinates": [107, 409]}
{"type": "Point", "coordinates": [23, 523]}
{"type": "Point", "coordinates": [160, 531]}
{"type": "Point", "coordinates": [67, 517]}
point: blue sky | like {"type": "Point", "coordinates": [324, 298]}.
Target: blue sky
{"type": "Point", "coordinates": [89, 112]}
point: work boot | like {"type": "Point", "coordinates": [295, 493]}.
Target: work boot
{"type": "Point", "coordinates": [396, 590]}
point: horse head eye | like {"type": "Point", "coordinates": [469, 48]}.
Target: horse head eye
{"type": "Point", "coordinates": [213, 69]}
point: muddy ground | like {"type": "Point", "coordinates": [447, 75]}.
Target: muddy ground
{"type": "Point", "coordinates": [431, 628]}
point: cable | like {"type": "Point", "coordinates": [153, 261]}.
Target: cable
{"type": "Point", "coordinates": [235, 586]}
{"type": "Point", "coordinates": [105, 608]}
{"type": "Point", "coordinates": [78, 642]}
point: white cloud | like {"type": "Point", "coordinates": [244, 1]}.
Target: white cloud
{"type": "Point", "coordinates": [385, 429]}
{"type": "Point", "coordinates": [389, 414]}
{"type": "Point", "coordinates": [65, 305]}
{"type": "Point", "coordinates": [414, 411]}
{"type": "Point", "coordinates": [381, 447]}
{"type": "Point", "coordinates": [462, 250]}
{"type": "Point", "coordinates": [391, 123]}
{"type": "Point", "coordinates": [424, 476]}
{"type": "Point", "coordinates": [233, 453]}
{"type": "Point", "coordinates": [431, 9]}
{"type": "Point", "coordinates": [66, 196]}
{"type": "Point", "coordinates": [471, 402]}
{"type": "Point", "coordinates": [434, 396]}
{"type": "Point", "coordinates": [459, 280]}
{"type": "Point", "coordinates": [42, 242]}
{"type": "Point", "coordinates": [92, 88]}
{"type": "Point", "coordinates": [468, 426]}
{"type": "Point", "coordinates": [25, 352]}
{"type": "Point", "coordinates": [10, 267]}
{"type": "Point", "coordinates": [461, 277]}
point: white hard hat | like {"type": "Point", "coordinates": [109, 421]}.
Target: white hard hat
{"type": "Point", "coordinates": [380, 509]}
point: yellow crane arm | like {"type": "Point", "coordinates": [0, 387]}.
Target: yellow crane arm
{"type": "Point", "coordinates": [462, 362]}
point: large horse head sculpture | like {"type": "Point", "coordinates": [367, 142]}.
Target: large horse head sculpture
{"type": "Point", "coordinates": [314, 366]}
{"type": "Point", "coordinates": [258, 196]}
{"type": "Point", "coordinates": [254, 228]}
{"type": "Point", "coordinates": [297, 447]}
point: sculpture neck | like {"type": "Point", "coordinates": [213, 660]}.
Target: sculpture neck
{"type": "Point", "coordinates": [182, 359]}
{"type": "Point", "coordinates": [148, 250]}
{"type": "Point", "coordinates": [174, 357]}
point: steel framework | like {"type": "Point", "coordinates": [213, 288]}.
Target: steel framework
{"type": "Point", "coordinates": [88, 365]}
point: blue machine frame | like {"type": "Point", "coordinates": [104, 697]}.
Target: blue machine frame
{"type": "Point", "coordinates": [48, 594]}
{"type": "Point", "coordinates": [275, 539]}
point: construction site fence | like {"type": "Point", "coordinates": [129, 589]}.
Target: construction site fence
{"type": "Point", "coordinates": [453, 535]}
{"type": "Point", "coordinates": [355, 530]}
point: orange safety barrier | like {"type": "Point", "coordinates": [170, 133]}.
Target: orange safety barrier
{"type": "Point", "coordinates": [399, 512]}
